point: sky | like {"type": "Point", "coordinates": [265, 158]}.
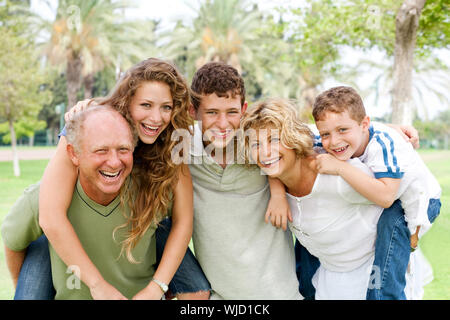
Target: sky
{"type": "Point", "coordinates": [169, 11]}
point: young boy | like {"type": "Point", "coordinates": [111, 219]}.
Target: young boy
{"type": "Point", "coordinates": [242, 257]}
{"type": "Point", "coordinates": [399, 173]}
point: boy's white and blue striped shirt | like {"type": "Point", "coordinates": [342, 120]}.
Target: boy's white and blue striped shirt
{"type": "Point", "coordinates": [384, 152]}
{"type": "Point", "coordinates": [388, 155]}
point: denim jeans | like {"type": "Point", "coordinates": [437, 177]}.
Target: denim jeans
{"type": "Point", "coordinates": [35, 279]}
{"type": "Point", "coordinates": [189, 277]}
{"type": "Point", "coordinates": [306, 267]}
{"type": "Point", "coordinates": [392, 251]}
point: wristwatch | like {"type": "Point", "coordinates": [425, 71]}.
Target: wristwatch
{"type": "Point", "coordinates": [161, 284]}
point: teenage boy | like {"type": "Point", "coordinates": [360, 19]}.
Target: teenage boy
{"type": "Point", "coordinates": [402, 183]}
{"type": "Point", "coordinates": [95, 210]}
{"type": "Point", "coordinates": [241, 255]}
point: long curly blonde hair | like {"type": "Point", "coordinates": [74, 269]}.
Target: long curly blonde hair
{"type": "Point", "coordinates": [154, 176]}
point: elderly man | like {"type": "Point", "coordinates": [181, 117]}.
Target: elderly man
{"type": "Point", "coordinates": [100, 144]}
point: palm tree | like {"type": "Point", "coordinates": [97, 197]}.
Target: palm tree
{"type": "Point", "coordinates": [87, 36]}
{"type": "Point", "coordinates": [224, 30]}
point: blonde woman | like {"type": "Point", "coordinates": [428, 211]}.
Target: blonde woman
{"type": "Point", "coordinates": [155, 96]}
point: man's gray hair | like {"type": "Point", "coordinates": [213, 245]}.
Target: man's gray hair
{"type": "Point", "coordinates": [75, 126]}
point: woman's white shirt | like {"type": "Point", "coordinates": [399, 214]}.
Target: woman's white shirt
{"type": "Point", "coordinates": [335, 223]}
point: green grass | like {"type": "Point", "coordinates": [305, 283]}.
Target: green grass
{"type": "Point", "coordinates": [24, 147]}
{"type": "Point", "coordinates": [11, 188]}
{"type": "Point", "coordinates": [435, 244]}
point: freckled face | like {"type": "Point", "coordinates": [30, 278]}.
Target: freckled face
{"type": "Point", "coordinates": [151, 109]}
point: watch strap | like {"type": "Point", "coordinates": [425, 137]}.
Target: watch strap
{"type": "Point", "coordinates": [164, 287]}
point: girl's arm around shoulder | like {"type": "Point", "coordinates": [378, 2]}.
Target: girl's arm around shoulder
{"type": "Point", "coordinates": [278, 210]}
{"type": "Point", "coordinates": [179, 236]}
{"type": "Point", "coordinates": [56, 190]}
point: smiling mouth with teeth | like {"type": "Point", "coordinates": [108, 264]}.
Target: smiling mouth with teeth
{"type": "Point", "coordinates": [150, 129]}
{"type": "Point", "coordinates": [270, 162]}
{"type": "Point", "coordinates": [221, 134]}
{"type": "Point", "coordinates": [339, 150]}
{"type": "Point", "coordinates": [110, 175]}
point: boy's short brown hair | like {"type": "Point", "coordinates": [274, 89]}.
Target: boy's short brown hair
{"type": "Point", "coordinates": [338, 100]}
{"type": "Point", "coordinates": [219, 78]}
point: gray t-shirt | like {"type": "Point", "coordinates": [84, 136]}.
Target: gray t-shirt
{"type": "Point", "coordinates": [242, 256]}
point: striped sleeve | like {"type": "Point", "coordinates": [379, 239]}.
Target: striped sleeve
{"type": "Point", "coordinates": [62, 133]}
{"type": "Point", "coordinates": [385, 156]}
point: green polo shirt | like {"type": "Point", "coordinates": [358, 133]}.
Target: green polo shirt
{"type": "Point", "coordinates": [94, 225]}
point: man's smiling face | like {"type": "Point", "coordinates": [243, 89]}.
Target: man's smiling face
{"type": "Point", "coordinates": [105, 157]}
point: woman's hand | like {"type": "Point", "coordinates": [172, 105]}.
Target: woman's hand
{"type": "Point", "coordinates": [278, 212]}
{"type": "Point", "coordinates": [79, 107]}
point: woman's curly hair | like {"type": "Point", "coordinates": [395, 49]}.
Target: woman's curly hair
{"type": "Point", "coordinates": [279, 114]}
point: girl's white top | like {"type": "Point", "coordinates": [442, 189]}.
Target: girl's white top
{"type": "Point", "coordinates": [335, 223]}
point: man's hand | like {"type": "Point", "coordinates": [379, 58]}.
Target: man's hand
{"type": "Point", "coordinates": [278, 212]}
{"type": "Point", "coordinates": [409, 133]}
{"type": "Point", "coordinates": [104, 291]}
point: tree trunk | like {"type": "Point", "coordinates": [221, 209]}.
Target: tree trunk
{"type": "Point", "coordinates": [406, 24]}
{"type": "Point", "coordinates": [74, 80]}
{"type": "Point", "coordinates": [16, 166]}
{"type": "Point", "coordinates": [88, 82]}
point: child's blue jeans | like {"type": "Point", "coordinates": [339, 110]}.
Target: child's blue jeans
{"type": "Point", "coordinates": [35, 279]}
{"type": "Point", "coordinates": [392, 251]}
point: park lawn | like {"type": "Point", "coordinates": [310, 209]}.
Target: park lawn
{"type": "Point", "coordinates": [435, 244]}
{"type": "Point", "coordinates": [11, 188]}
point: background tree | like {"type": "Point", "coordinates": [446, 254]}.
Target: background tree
{"type": "Point", "coordinates": [230, 31]}
{"type": "Point", "coordinates": [311, 33]}
{"type": "Point", "coordinates": [25, 127]}
{"type": "Point", "coordinates": [372, 24]}
{"type": "Point", "coordinates": [21, 96]}
{"type": "Point", "coordinates": [406, 25]}
{"type": "Point", "coordinates": [435, 133]}
{"type": "Point", "coordinates": [86, 36]}
{"type": "Point", "coordinates": [223, 30]}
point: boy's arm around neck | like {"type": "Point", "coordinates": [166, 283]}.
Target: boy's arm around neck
{"type": "Point", "coordinates": [382, 191]}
